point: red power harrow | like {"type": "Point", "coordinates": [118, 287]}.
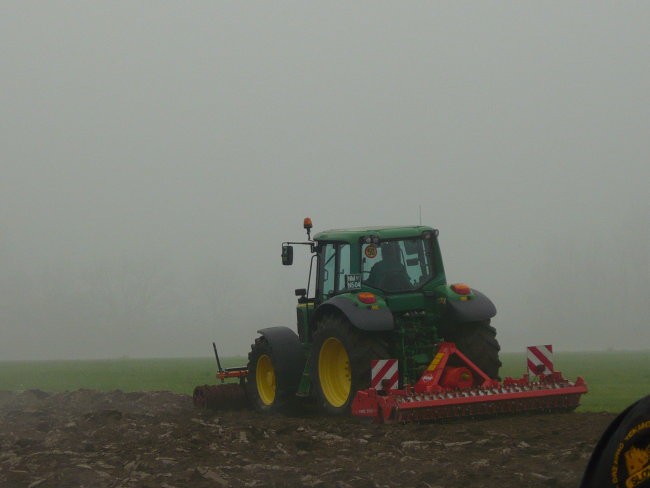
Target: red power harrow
{"type": "Point", "coordinates": [463, 390]}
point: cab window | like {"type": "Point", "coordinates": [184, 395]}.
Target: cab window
{"type": "Point", "coordinates": [328, 269]}
{"type": "Point", "coordinates": [398, 264]}
{"type": "Point", "coordinates": [343, 266]}
{"type": "Point", "coordinates": [334, 266]}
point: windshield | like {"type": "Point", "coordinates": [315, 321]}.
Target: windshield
{"type": "Point", "coordinates": [397, 265]}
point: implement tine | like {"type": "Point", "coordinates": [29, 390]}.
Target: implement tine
{"type": "Point", "coordinates": [216, 355]}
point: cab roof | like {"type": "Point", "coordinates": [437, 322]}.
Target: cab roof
{"type": "Point", "coordinates": [383, 232]}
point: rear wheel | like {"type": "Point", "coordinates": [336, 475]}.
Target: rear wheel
{"type": "Point", "coordinates": [340, 362]}
{"type": "Point", "coordinates": [263, 387]}
{"type": "Point", "coordinates": [477, 341]}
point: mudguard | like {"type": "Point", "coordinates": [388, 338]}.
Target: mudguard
{"type": "Point", "coordinates": [361, 316]}
{"type": "Point", "coordinates": [478, 308]}
{"type": "Point", "coordinates": [288, 356]}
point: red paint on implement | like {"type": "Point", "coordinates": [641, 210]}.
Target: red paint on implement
{"type": "Point", "coordinates": [430, 400]}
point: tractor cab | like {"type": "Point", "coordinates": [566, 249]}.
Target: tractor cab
{"type": "Point", "coordinates": [383, 260]}
{"type": "Point", "coordinates": [361, 259]}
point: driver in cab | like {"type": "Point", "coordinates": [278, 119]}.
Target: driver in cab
{"type": "Point", "coordinates": [389, 273]}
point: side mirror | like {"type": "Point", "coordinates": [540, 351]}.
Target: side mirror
{"type": "Point", "coordinates": [287, 255]}
{"type": "Point", "coordinates": [301, 293]}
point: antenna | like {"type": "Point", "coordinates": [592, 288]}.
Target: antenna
{"type": "Point", "coordinates": [420, 213]}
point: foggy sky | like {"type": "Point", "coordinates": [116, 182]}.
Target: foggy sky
{"type": "Point", "coordinates": [154, 155]}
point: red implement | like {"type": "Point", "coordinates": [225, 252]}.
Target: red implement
{"type": "Point", "coordinates": [463, 390]}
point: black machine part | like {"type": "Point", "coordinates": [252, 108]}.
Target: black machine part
{"type": "Point", "coordinates": [361, 317]}
{"type": "Point", "coordinates": [216, 355]}
{"type": "Point", "coordinates": [627, 435]}
{"type": "Point", "coordinates": [288, 356]}
{"type": "Point", "coordinates": [477, 309]}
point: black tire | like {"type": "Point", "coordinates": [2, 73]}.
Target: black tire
{"type": "Point", "coordinates": [361, 347]}
{"type": "Point", "coordinates": [258, 395]}
{"type": "Point", "coordinates": [628, 432]}
{"type": "Point", "coordinates": [477, 341]}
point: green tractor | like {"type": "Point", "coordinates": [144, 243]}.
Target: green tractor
{"type": "Point", "coordinates": [372, 293]}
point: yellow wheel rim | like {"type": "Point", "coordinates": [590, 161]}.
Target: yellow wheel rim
{"type": "Point", "coordinates": [334, 372]}
{"type": "Point", "coordinates": [265, 379]}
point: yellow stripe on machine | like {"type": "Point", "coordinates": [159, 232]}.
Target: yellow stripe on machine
{"type": "Point", "coordinates": [435, 362]}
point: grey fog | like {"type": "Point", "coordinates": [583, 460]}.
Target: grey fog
{"type": "Point", "coordinates": [154, 156]}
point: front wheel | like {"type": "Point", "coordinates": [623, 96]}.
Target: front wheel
{"type": "Point", "coordinates": [340, 363]}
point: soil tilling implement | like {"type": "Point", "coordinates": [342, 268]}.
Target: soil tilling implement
{"type": "Point", "coordinates": [448, 392]}
{"type": "Point", "coordinates": [225, 395]}
{"type": "Point", "coordinates": [381, 334]}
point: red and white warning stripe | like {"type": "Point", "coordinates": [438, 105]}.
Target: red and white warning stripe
{"type": "Point", "coordinates": [540, 360]}
{"type": "Point", "coordinates": [385, 375]}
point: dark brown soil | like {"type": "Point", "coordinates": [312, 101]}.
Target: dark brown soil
{"type": "Point", "coordinates": [158, 439]}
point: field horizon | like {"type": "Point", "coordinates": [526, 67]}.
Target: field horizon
{"type": "Point", "coordinates": [615, 378]}
{"type": "Point", "coordinates": [227, 358]}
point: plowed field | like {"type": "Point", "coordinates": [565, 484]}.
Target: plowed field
{"type": "Point", "coordinates": [94, 439]}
